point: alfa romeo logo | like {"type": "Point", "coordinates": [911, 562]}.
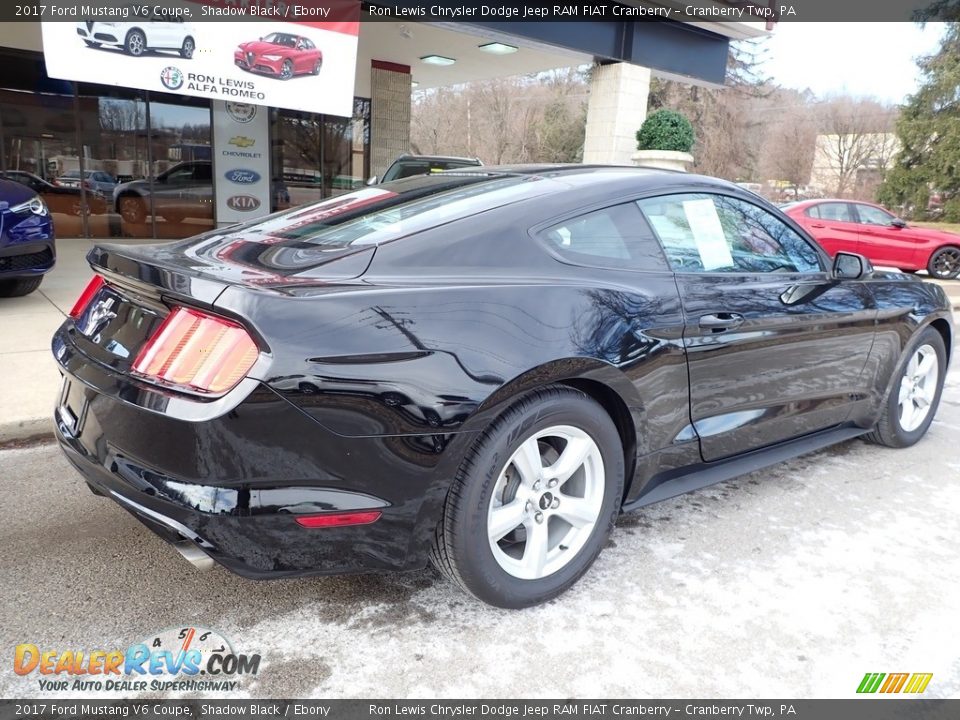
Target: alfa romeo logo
{"type": "Point", "coordinates": [171, 77]}
{"type": "Point", "coordinates": [241, 112]}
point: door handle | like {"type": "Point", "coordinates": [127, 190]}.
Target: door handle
{"type": "Point", "coordinates": [718, 322]}
{"type": "Point", "coordinates": [817, 225]}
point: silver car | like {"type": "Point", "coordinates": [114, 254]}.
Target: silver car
{"type": "Point", "coordinates": [98, 180]}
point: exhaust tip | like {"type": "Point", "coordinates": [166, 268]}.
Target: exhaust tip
{"type": "Point", "coordinates": [194, 555]}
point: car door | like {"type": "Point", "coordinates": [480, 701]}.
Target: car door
{"type": "Point", "coordinates": [884, 242]}
{"type": "Point", "coordinates": [833, 225]}
{"type": "Point", "coordinates": [775, 346]}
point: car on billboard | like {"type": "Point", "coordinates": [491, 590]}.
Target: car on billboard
{"type": "Point", "coordinates": [281, 55]}
{"type": "Point", "coordinates": [138, 38]}
{"type": "Point", "coordinates": [27, 249]}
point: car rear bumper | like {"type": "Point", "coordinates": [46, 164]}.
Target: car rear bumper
{"type": "Point", "coordinates": [234, 481]}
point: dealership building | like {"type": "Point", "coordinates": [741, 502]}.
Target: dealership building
{"type": "Point", "coordinates": [164, 143]}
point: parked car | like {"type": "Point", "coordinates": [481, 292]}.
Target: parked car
{"type": "Point", "coordinates": [137, 38]}
{"type": "Point", "coordinates": [98, 180]}
{"type": "Point", "coordinates": [185, 190]}
{"type": "Point", "coordinates": [875, 232]}
{"type": "Point", "coordinates": [482, 368]}
{"type": "Point", "coordinates": [64, 200]}
{"type": "Point", "coordinates": [282, 55]}
{"type": "Point", "coordinates": [409, 165]}
{"type": "Point", "coordinates": [27, 249]}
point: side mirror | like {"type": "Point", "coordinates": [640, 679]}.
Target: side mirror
{"type": "Point", "coordinates": [372, 181]}
{"type": "Point", "coordinates": [898, 223]}
{"type": "Point", "coordinates": [850, 266]}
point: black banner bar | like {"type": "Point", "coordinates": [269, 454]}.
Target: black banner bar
{"type": "Point", "coordinates": [852, 709]}
{"type": "Point", "coordinates": [852, 11]}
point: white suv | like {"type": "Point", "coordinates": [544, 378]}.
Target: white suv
{"type": "Point", "coordinates": [136, 38]}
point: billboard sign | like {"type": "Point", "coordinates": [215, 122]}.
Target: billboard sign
{"type": "Point", "coordinates": [278, 62]}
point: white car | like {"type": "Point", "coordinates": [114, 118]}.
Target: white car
{"type": "Point", "coordinates": [136, 38]}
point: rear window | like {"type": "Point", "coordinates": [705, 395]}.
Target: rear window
{"type": "Point", "coordinates": [409, 168]}
{"type": "Point", "coordinates": [386, 212]}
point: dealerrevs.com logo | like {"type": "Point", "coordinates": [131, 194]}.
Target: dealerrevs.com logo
{"type": "Point", "coordinates": [188, 659]}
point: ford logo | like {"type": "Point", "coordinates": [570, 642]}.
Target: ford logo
{"type": "Point", "coordinates": [242, 177]}
{"type": "Point", "coordinates": [243, 203]}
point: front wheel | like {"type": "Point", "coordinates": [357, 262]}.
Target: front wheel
{"type": "Point", "coordinates": [944, 264]}
{"type": "Point", "coordinates": [136, 43]}
{"type": "Point", "coordinates": [534, 500]}
{"type": "Point", "coordinates": [19, 286]}
{"type": "Point", "coordinates": [286, 70]}
{"type": "Point", "coordinates": [914, 394]}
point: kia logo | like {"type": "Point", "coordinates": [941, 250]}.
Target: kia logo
{"type": "Point", "coordinates": [241, 176]}
{"type": "Point", "coordinates": [243, 203]}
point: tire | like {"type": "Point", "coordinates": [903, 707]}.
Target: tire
{"type": "Point", "coordinates": [135, 43]}
{"type": "Point", "coordinates": [499, 471]}
{"type": "Point", "coordinates": [92, 44]}
{"type": "Point", "coordinates": [944, 263]}
{"type": "Point", "coordinates": [19, 286]}
{"type": "Point", "coordinates": [286, 70]}
{"type": "Point", "coordinates": [900, 427]}
{"type": "Point", "coordinates": [316, 67]}
{"type": "Point", "coordinates": [132, 209]}
{"type": "Point", "coordinates": [186, 50]}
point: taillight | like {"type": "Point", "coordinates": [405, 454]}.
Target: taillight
{"type": "Point", "coordinates": [199, 352]}
{"type": "Point", "coordinates": [92, 288]}
{"type": "Point", "coordinates": [323, 520]}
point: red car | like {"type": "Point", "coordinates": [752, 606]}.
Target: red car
{"type": "Point", "coordinates": [280, 54]}
{"type": "Point", "coordinates": [875, 232]}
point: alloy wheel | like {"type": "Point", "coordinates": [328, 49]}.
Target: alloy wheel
{"type": "Point", "coordinates": [546, 502]}
{"type": "Point", "coordinates": [918, 387]}
{"type": "Point", "coordinates": [946, 263]}
{"type": "Point", "coordinates": [136, 44]}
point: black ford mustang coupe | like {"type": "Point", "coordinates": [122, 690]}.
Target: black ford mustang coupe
{"type": "Point", "coordinates": [480, 367]}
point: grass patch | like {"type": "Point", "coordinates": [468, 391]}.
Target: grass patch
{"type": "Point", "coordinates": [948, 227]}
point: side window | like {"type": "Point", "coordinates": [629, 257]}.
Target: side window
{"type": "Point", "coordinates": [874, 216]}
{"type": "Point", "coordinates": [614, 237]}
{"type": "Point", "coordinates": [715, 233]}
{"type": "Point", "coordinates": [838, 212]}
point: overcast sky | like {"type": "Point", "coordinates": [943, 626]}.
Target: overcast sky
{"type": "Point", "coordinates": [863, 59]}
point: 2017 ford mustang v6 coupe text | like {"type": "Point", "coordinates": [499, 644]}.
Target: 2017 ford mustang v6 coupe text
{"type": "Point", "coordinates": [481, 367]}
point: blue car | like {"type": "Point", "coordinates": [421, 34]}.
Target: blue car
{"type": "Point", "coordinates": [26, 240]}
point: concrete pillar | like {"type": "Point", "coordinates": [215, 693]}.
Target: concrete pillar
{"type": "Point", "coordinates": [389, 113]}
{"type": "Point", "coordinates": [617, 108]}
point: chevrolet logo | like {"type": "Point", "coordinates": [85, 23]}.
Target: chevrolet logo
{"type": "Point", "coordinates": [242, 141]}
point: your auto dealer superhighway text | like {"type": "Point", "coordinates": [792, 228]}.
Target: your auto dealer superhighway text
{"type": "Point", "coordinates": [584, 709]}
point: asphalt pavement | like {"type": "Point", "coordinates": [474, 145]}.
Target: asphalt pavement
{"type": "Point", "coordinates": [789, 582]}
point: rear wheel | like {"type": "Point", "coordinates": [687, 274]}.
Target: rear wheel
{"type": "Point", "coordinates": [19, 286]}
{"type": "Point", "coordinates": [944, 264]}
{"type": "Point", "coordinates": [914, 394]}
{"type": "Point", "coordinates": [136, 43]}
{"type": "Point", "coordinates": [316, 66]}
{"type": "Point", "coordinates": [534, 500]}
{"type": "Point", "coordinates": [186, 50]}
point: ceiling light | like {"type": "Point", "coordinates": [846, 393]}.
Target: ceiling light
{"type": "Point", "coordinates": [498, 48]}
{"type": "Point", "coordinates": [437, 60]}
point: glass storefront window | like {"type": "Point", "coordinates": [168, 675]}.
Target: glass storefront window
{"type": "Point", "coordinates": [318, 156]}
{"type": "Point", "coordinates": [114, 162]}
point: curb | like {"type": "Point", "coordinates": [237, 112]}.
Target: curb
{"type": "Point", "coordinates": [29, 430]}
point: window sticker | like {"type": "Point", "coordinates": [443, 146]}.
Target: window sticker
{"type": "Point", "coordinates": [708, 233]}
